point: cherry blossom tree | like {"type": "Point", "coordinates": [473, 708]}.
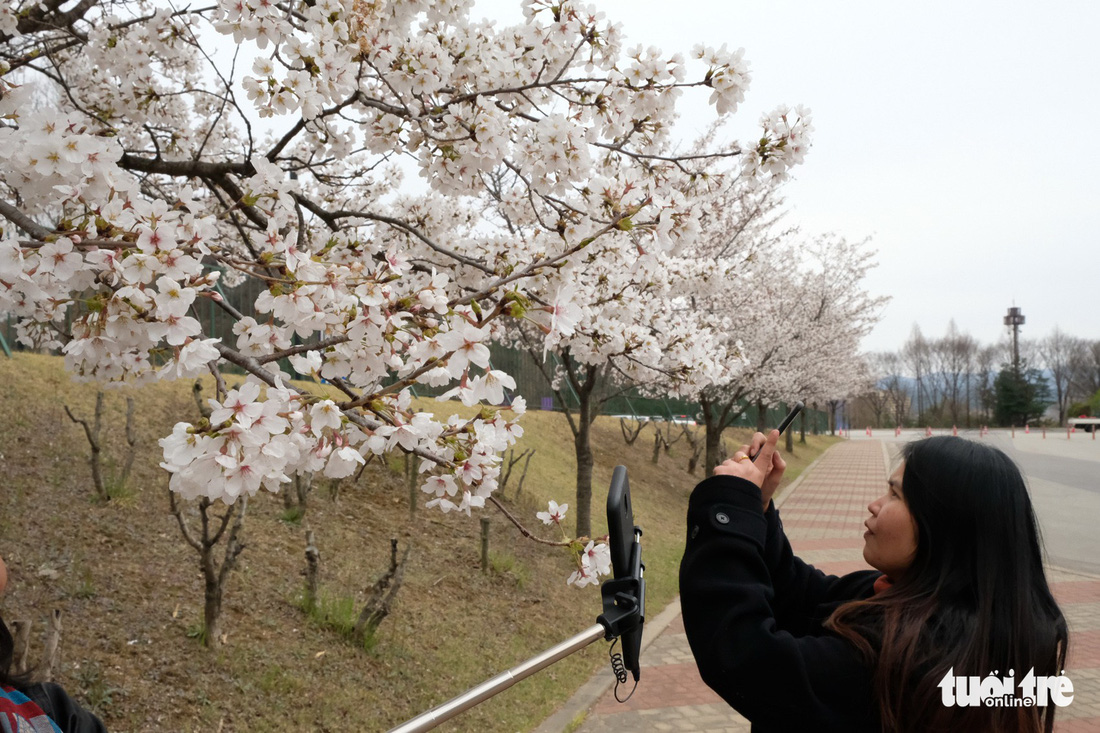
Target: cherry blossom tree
{"type": "Point", "coordinates": [172, 166]}
{"type": "Point", "coordinates": [798, 315]}
{"type": "Point", "coordinates": [829, 367]}
{"type": "Point", "coordinates": [627, 334]}
{"type": "Point", "coordinates": [623, 316]}
{"type": "Point", "coordinates": [742, 234]}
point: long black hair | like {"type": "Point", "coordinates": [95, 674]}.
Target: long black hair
{"type": "Point", "coordinates": [975, 598]}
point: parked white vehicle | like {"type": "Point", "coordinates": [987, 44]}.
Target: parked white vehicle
{"type": "Point", "coordinates": [1088, 424]}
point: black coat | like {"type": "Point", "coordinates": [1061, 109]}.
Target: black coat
{"type": "Point", "coordinates": [753, 614]}
{"type": "Point", "coordinates": [62, 709]}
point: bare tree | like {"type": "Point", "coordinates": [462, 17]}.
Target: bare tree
{"type": "Point", "coordinates": [383, 591]}
{"type": "Point", "coordinates": [1057, 353]}
{"type": "Point", "coordinates": [988, 360]}
{"type": "Point", "coordinates": [875, 395]}
{"type": "Point", "coordinates": [1087, 369]}
{"type": "Point", "coordinates": [893, 381]}
{"type": "Point", "coordinates": [212, 529]}
{"type": "Point", "coordinates": [506, 472]}
{"type": "Point", "coordinates": [632, 431]}
{"type": "Point", "coordinates": [956, 351]}
{"type": "Point", "coordinates": [915, 355]}
{"type": "Point", "coordinates": [94, 433]}
{"type": "Point", "coordinates": [696, 441]}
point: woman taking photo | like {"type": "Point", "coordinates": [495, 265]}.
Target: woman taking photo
{"type": "Point", "coordinates": [958, 591]}
{"type": "Point", "coordinates": [41, 707]}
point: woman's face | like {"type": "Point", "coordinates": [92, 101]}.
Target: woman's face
{"type": "Point", "coordinates": [890, 543]}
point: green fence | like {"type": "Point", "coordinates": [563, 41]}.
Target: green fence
{"type": "Point", "coordinates": [533, 386]}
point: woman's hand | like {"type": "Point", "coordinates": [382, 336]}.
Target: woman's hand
{"type": "Point", "coordinates": [766, 472]}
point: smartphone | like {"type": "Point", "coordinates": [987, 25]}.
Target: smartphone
{"type": "Point", "coordinates": [620, 523]}
{"type": "Point", "coordinates": [785, 424]}
{"type": "Point", "coordinates": [624, 541]}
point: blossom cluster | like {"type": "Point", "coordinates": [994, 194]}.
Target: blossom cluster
{"type": "Point", "coordinates": [784, 144]}
{"type": "Point", "coordinates": [136, 186]}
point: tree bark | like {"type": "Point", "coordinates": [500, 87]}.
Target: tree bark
{"type": "Point", "coordinates": [631, 434]}
{"type": "Point", "coordinates": [832, 405]}
{"type": "Point", "coordinates": [131, 442]}
{"type": "Point", "coordinates": [313, 570]}
{"type": "Point", "coordinates": [587, 408]}
{"type": "Point", "coordinates": [383, 591]}
{"type": "Point", "coordinates": [92, 433]}
{"type": "Point", "coordinates": [582, 442]}
{"type": "Point", "coordinates": [214, 574]}
{"type": "Point", "coordinates": [21, 631]}
{"type": "Point", "coordinates": [717, 417]}
{"type": "Point", "coordinates": [51, 654]}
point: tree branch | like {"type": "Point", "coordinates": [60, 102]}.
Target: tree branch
{"type": "Point", "coordinates": [24, 222]}
{"type": "Point", "coordinates": [523, 530]}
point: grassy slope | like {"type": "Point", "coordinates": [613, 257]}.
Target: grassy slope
{"type": "Point", "coordinates": [131, 592]}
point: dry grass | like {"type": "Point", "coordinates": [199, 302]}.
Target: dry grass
{"type": "Point", "coordinates": [131, 592]}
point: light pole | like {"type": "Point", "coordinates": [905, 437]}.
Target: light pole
{"type": "Point", "coordinates": [1015, 319]}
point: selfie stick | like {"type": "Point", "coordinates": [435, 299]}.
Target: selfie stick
{"type": "Point", "coordinates": [783, 425]}
{"type": "Point", "coordinates": [623, 615]}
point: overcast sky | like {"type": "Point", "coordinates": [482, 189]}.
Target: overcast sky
{"type": "Point", "coordinates": [961, 137]}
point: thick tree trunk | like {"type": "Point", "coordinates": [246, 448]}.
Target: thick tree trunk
{"type": "Point", "coordinates": [583, 444]}
{"type": "Point", "coordinates": [761, 416]}
{"type": "Point", "coordinates": [714, 446]}
{"type": "Point", "coordinates": [802, 428]}
{"type": "Point", "coordinates": [717, 417]}
{"type": "Point", "coordinates": [712, 436]}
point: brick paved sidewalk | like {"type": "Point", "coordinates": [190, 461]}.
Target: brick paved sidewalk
{"type": "Point", "coordinates": [823, 517]}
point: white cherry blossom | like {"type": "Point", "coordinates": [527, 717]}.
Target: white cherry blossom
{"type": "Point", "coordinates": [555, 513]}
{"type": "Point", "coordinates": [144, 190]}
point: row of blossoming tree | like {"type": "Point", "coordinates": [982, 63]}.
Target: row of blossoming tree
{"type": "Point", "coordinates": [155, 156]}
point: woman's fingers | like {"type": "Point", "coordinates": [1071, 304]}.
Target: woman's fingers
{"type": "Point", "coordinates": [768, 450]}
